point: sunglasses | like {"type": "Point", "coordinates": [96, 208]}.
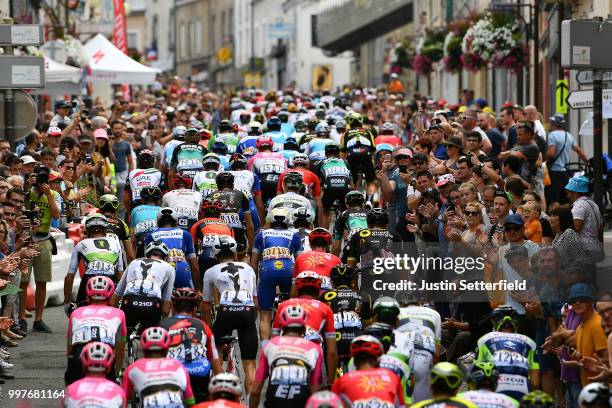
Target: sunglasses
{"type": "Point", "coordinates": [512, 229]}
{"type": "Point", "coordinates": [69, 167]}
{"type": "Point", "coordinates": [471, 213]}
{"type": "Point", "coordinates": [573, 302]}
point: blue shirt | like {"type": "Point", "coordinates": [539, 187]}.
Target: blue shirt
{"type": "Point", "coordinates": [121, 149]}
{"type": "Point", "coordinates": [557, 138]}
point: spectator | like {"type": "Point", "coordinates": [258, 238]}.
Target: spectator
{"type": "Point", "coordinates": [506, 117]}
{"type": "Point", "coordinates": [454, 149]}
{"type": "Point", "coordinates": [62, 115]}
{"type": "Point", "coordinates": [588, 221]}
{"type": "Point", "coordinates": [498, 140]}
{"type": "Point", "coordinates": [33, 141]}
{"type": "Point", "coordinates": [124, 162]}
{"type": "Point", "coordinates": [526, 149]}
{"type": "Point", "coordinates": [470, 124]}
{"type": "Point", "coordinates": [27, 165]}
{"type": "Point", "coordinates": [530, 211]}
{"type": "Point", "coordinates": [47, 158]}
{"type": "Point", "coordinates": [395, 187]}
{"type": "Point", "coordinates": [54, 136]}
{"type": "Point", "coordinates": [532, 115]}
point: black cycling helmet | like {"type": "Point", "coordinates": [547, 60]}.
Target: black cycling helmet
{"type": "Point", "coordinates": [145, 159]}
{"type": "Point", "coordinates": [483, 372]}
{"type": "Point", "coordinates": [291, 144]}
{"type": "Point", "coordinates": [354, 199]}
{"type": "Point", "coordinates": [383, 332]}
{"type": "Point", "coordinates": [150, 194]}
{"type": "Point", "coordinates": [245, 118]}
{"type": "Point", "coordinates": [238, 162]}
{"type": "Point", "coordinates": [504, 315]}
{"type": "Point", "coordinates": [378, 217]}
{"type": "Point", "coordinates": [333, 149]}
{"type": "Point", "coordinates": [342, 275]}
{"type": "Point", "coordinates": [293, 180]}
{"type": "Point", "coordinates": [220, 147]}
{"type": "Point", "coordinates": [225, 126]}
{"type": "Point", "coordinates": [274, 124]}
{"type": "Point", "coordinates": [211, 162]}
{"type": "Point", "coordinates": [224, 179]}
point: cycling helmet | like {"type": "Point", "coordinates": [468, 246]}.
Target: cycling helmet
{"type": "Point", "coordinates": [319, 234]}
{"type": "Point", "coordinates": [308, 279]}
{"type": "Point", "coordinates": [301, 217]}
{"type": "Point", "coordinates": [387, 128]}
{"type": "Point", "coordinates": [224, 179]}
{"type": "Point", "coordinates": [212, 208]}
{"type": "Point", "coordinates": [225, 383]}
{"type": "Point", "coordinates": [354, 199]}
{"type": "Point", "coordinates": [211, 162]}
{"type": "Point", "coordinates": [178, 132]}
{"type": "Point", "coordinates": [483, 371]}
{"type": "Point", "coordinates": [109, 202]}
{"type": "Point", "coordinates": [332, 148]}
{"type": "Point", "coordinates": [192, 135]}
{"type": "Point", "coordinates": [96, 222]}
{"type": "Point", "coordinates": [322, 128]}
{"type": "Point", "coordinates": [504, 315]}
{"type": "Point", "coordinates": [293, 180]}
{"type": "Point", "coordinates": [157, 246]}
{"type": "Point", "coordinates": [279, 215]}
{"type": "Point", "coordinates": [283, 115]}
{"type": "Point", "coordinates": [595, 395]}
{"type": "Point", "coordinates": [145, 159]}
{"type": "Point", "coordinates": [225, 126]}
{"type": "Point", "coordinates": [300, 159]}
{"type": "Point", "coordinates": [386, 308]}
{"type": "Point", "coordinates": [155, 338]}
{"type": "Point", "coordinates": [220, 148]}
{"type": "Point", "coordinates": [292, 316]}
{"type": "Point", "coordinates": [366, 344]}
{"type": "Point", "coordinates": [224, 243]}
{"type": "Point", "coordinates": [245, 118]}
{"type": "Point", "coordinates": [342, 275]}
{"type": "Point", "coordinates": [538, 399]}
{"type": "Point", "coordinates": [166, 214]}
{"type": "Point", "coordinates": [264, 141]}
{"type": "Point", "coordinates": [100, 287]}
{"type": "Point", "coordinates": [300, 126]}
{"type": "Point", "coordinates": [320, 113]}
{"type": "Point", "coordinates": [274, 124]}
{"type": "Point", "coordinates": [312, 124]}
{"type": "Point", "coordinates": [184, 178]}
{"type": "Point", "coordinates": [383, 332]}
{"type": "Point", "coordinates": [196, 124]}
{"type": "Point", "coordinates": [324, 399]}
{"type": "Point", "coordinates": [97, 357]}
{"type": "Point", "coordinates": [186, 295]}
{"type": "Point", "coordinates": [255, 128]}
{"type": "Point", "coordinates": [291, 144]}
{"type": "Point", "coordinates": [354, 119]}
{"type": "Point", "coordinates": [150, 194]}
{"type": "Point", "coordinates": [340, 125]}
{"type": "Point", "coordinates": [447, 372]}
{"type": "Point", "coordinates": [238, 162]}
{"type": "Point", "coordinates": [377, 217]}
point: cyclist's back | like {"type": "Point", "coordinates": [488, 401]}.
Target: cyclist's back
{"type": "Point", "coordinates": [320, 318]}
{"type": "Point", "coordinates": [446, 402]}
{"type": "Point", "coordinates": [94, 392]}
{"type": "Point", "coordinates": [186, 204]}
{"type": "Point", "coordinates": [489, 399]}
{"type": "Point", "coordinates": [181, 248]}
{"type": "Point", "coordinates": [375, 387]}
{"type": "Point", "coordinates": [319, 262]}
{"type": "Point", "coordinates": [141, 178]}
{"type": "Point", "coordinates": [345, 304]}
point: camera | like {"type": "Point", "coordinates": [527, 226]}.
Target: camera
{"type": "Point", "coordinates": [42, 175]}
{"type": "Point", "coordinates": [403, 168]}
{"type": "Point", "coordinates": [31, 214]}
{"type": "Point", "coordinates": [88, 159]}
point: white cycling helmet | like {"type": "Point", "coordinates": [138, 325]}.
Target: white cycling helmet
{"type": "Point", "coordinates": [595, 394]}
{"type": "Point", "coordinates": [158, 246]}
{"type": "Point", "coordinates": [225, 382]}
{"type": "Point", "coordinates": [224, 243]}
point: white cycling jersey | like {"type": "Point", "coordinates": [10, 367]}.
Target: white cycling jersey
{"type": "Point", "coordinates": [141, 178]}
{"type": "Point", "coordinates": [101, 256]}
{"type": "Point", "coordinates": [146, 277]}
{"type": "Point", "coordinates": [205, 182]}
{"type": "Point", "coordinates": [235, 281]}
{"type": "Point", "coordinates": [244, 181]}
{"type": "Point", "coordinates": [489, 399]}
{"type": "Point", "coordinates": [292, 201]}
{"type": "Point", "coordinates": [186, 203]}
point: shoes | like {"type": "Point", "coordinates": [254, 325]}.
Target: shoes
{"type": "Point", "coordinates": [40, 326]}
{"type": "Point", "coordinates": [23, 325]}
{"type": "Point", "coordinates": [28, 314]}
{"type": "Point", "coordinates": [4, 364]}
{"type": "Point", "coordinates": [6, 376]}
{"type": "Point", "coordinates": [5, 341]}
{"type": "Point", "coordinates": [4, 355]}
{"type": "Point", "coordinates": [17, 330]}
{"type": "Point", "coordinates": [12, 336]}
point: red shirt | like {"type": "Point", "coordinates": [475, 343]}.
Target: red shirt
{"type": "Point", "coordinates": [319, 317]}
{"type": "Point", "coordinates": [373, 387]}
{"type": "Point", "coordinates": [220, 403]}
{"type": "Point", "coordinates": [313, 184]}
{"type": "Point", "coordinates": [388, 139]}
{"type": "Point", "coordinates": [319, 262]}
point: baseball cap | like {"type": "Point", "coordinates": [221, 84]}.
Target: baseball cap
{"type": "Point", "coordinates": [462, 109]}
{"type": "Point", "coordinates": [54, 131]}
{"type": "Point", "coordinates": [85, 139]}
{"type": "Point", "coordinates": [100, 134]}
{"type": "Point", "coordinates": [578, 184]}
{"type": "Point", "coordinates": [55, 176]}
{"type": "Point", "coordinates": [431, 192]}
{"type": "Point", "coordinates": [61, 104]}
{"type": "Point", "coordinates": [27, 159]}
{"type": "Point", "coordinates": [514, 219]}
{"type": "Point", "coordinates": [445, 179]}
{"type": "Point", "coordinates": [419, 156]}
{"type": "Point", "coordinates": [404, 152]}
{"type": "Point", "coordinates": [454, 141]}
{"type": "Point", "coordinates": [580, 291]}
{"type": "Point", "coordinates": [558, 119]}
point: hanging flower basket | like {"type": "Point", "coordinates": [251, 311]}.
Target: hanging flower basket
{"type": "Point", "coordinates": [452, 52]}
{"type": "Point", "coordinates": [75, 51]}
{"type": "Point", "coordinates": [429, 50]}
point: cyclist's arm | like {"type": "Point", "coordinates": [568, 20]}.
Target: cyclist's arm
{"type": "Point", "coordinates": [260, 377]}
{"type": "Point", "coordinates": [255, 255]}
{"type": "Point", "coordinates": [120, 348]}
{"type": "Point", "coordinates": [534, 371]}
{"type": "Point", "coordinates": [317, 374]}
{"type": "Point", "coordinates": [211, 351]}
{"type": "Point", "coordinates": [126, 384]}
{"type": "Point", "coordinates": [192, 259]}
{"type": "Point", "coordinates": [250, 228]}
{"type": "Point", "coordinates": [188, 397]}
{"type": "Point", "coordinates": [69, 338]}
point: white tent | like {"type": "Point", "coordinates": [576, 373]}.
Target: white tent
{"type": "Point", "coordinates": [60, 79]}
{"type": "Point", "coordinates": [109, 65]}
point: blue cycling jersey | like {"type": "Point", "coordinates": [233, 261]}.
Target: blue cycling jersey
{"type": "Point", "coordinates": [277, 244]}
{"type": "Point", "coordinates": [181, 248]}
{"type": "Point", "coordinates": [144, 219]}
{"type": "Point", "coordinates": [288, 155]}
{"type": "Point", "coordinates": [278, 138]}
{"type": "Point", "coordinates": [247, 146]}
{"type": "Point", "coordinates": [287, 128]}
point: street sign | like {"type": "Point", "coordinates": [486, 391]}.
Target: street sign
{"type": "Point", "coordinates": [21, 34]}
{"type": "Point", "coordinates": [586, 77]}
{"type": "Point", "coordinates": [280, 30]}
{"type": "Point", "coordinates": [561, 95]}
{"type": "Point", "coordinates": [585, 44]}
{"type": "Point", "coordinates": [584, 99]}
{"type": "Point", "coordinates": [252, 79]}
{"type": "Point", "coordinates": [55, 50]}
{"type": "Point", "coordinates": [21, 72]}
{"type": "Point", "coordinates": [25, 114]}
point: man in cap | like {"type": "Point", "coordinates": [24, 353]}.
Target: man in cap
{"type": "Point", "coordinates": [588, 222]}
{"type": "Point", "coordinates": [54, 135]}
{"type": "Point", "coordinates": [62, 114]}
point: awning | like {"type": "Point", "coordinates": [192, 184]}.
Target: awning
{"type": "Point", "coordinates": [60, 79]}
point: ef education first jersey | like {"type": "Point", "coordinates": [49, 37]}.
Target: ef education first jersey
{"type": "Point", "coordinates": [96, 323]}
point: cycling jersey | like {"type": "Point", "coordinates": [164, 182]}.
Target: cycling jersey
{"type": "Point", "coordinates": [514, 357]}
{"type": "Point", "coordinates": [205, 231]}
{"type": "Point", "coordinates": [304, 140]}
{"type": "Point", "coordinates": [358, 142]}
{"type": "Point", "coordinates": [346, 307]}
{"type": "Point", "coordinates": [219, 403]}
{"type": "Point", "coordinates": [181, 250]}
{"type": "Point", "coordinates": [422, 319]}
{"type": "Point", "coordinates": [292, 201]}
{"type": "Point", "coordinates": [489, 399]}
{"type": "Point", "coordinates": [396, 362]}
{"type": "Point", "coordinates": [388, 139]}
{"type": "Point", "coordinates": [268, 167]}
{"type": "Point", "coordinates": [248, 146]}
{"type": "Point", "coordinates": [96, 323]}
{"type": "Point", "coordinates": [350, 220]}
{"type": "Point", "coordinates": [311, 181]}
{"type": "Point", "coordinates": [234, 202]}
{"type": "Point", "coordinates": [335, 174]}
{"type": "Point", "coordinates": [319, 318]}
{"type": "Point", "coordinates": [205, 182]}
{"type": "Point", "coordinates": [187, 157]}
{"type": "Point", "coordinates": [317, 261]}
{"type": "Point", "coordinates": [303, 233]}
{"type": "Point", "coordinates": [293, 364]}
{"type": "Point", "coordinates": [287, 128]}
{"type": "Point", "coordinates": [446, 402]}
{"type": "Point", "coordinates": [186, 204]}
{"type": "Point", "coordinates": [151, 278]}
{"type": "Point", "coordinates": [159, 383]}
{"type": "Point", "coordinates": [247, 182]}
{"type": "Point", "coordinates": [169, 150]}
{"type": "Point", "coordinates": [376, 387]}
{"type": "Point", "coordinates": [278, 138]}
{"type": "Point", "coordinates": [366, 245]}
{"type": "Point", "coordinates": [144, 219]}
{"type": "Point", "coordinates": [288, 155]}
{"type": "Point", "coordinates": [93, 392]}
{"type": "Point", "coordinates": [140, 178]}
{"type": "Point", "coordinates": [231, 140]}
{"type": "Point", "coordinates": [315, 149]}
{"type": "Point", "coordinates": [118, 227]}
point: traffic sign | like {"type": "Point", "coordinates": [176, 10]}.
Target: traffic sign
{"type": "Point", "coordinates": [584, 44]}
{"type": "Point", "coordinates": [21, 34]}
{"type": "Point", "coordinates": [21, 72]}
{"type": "Point", "coordinates": [584, 99]}
{"type": "Point", "coordinates": [561, 95]}
{"type": "Point", "coordinates": [586, 77]}
{"type": "Point", "coordinates": [25, 114]}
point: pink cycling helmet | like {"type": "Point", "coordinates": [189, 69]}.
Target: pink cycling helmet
{"type": "Point", "coordinates": [155, 338]}
{"type": "Point", "coordinates": [293, 316]}
{"type": "Point", "coordinates": [264, 141]}
{"type": "Point", "coordinates": [324, 399]}
{"type": "Point", "coordinates": [100, 288]}
{"type": "Point", "coordinates": [97, 357]}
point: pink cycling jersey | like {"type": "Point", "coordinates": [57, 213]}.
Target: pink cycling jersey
{"type": "Point", "coordinates": [159, 382]}
{"type": "Point", "coordinates": [94, 392]}
{"type": "Point", "coordinates": [290, 360]}
{"type": "Point", "coordinates": [96, 323]}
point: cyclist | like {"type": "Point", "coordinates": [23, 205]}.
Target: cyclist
{"type": "Point", "coordinates": [191, 341]}
{"type": "Point", "coordinates": [316, 147]}
{"type": "Point", "coordinates": [225, 390]}
{"type": "Point", "coordinates": [205, 230]}
{"type": "Point", "coordinates": [445, 379]}
{"type": "Point", "coordinates": [144, 217]}
{"type": "Point", "coordinates": [359, 147]}
{"type": "Point", "coordinates": [146, 287]}
{"type": "Point", "coordinates": [94, 390]}
{"type": "Point", "coordinates": [318, 259]}
{"type": "Point", "coordinates": [249, 184]}
{"type": "Point", "coordinates": [157, 380]}
{"type": "Point", "coordinates": [236, 284]}
{"type": "Point", "coordinates": [187, 157]}
{"type": "Point", "coordinates": [336, 178]}
{"type": "Point", "coordinates": [178, 137]}
{"type": "Point", "coordinates": [181, 254]}
{"type": "Point", "coordinates": [352, 219]}
{"type": "Point", "coordinates": [185, 201]}
{"type": "Point", "coordinates": [291, 199]}
{"type": "Point", "coordinates": [273, 255]}
{"type": "Point", "coordinates": [513, 355]}
{"type": "Point", "coordinates": [369, 385]}
{"type": "Point", "coordinates": [309, 179]}
{"type": "Point", "coordinates": [386, 310]}
{"type": "Point", "coordinates": [100, 255]}
{"type": "Point", "coordinates": [290, 149]}
{"type": "Point", "coordinates": [482, 382]}
{"type": "Point", "coordinates": [268, 166]}
{"type": "Point", "coordinates": [319, 318]}
{"type": "Point", "coordinates": [540, 399]}
{"type": "Point", "coordinates": [220, 150]}
{"type": "Point", "coordinates": [248, 144]}
{"type": "Point", "coordinates": [205, 181]}
{"type": "Point", "coordinates": [227, 136]}
{"type": "Point", "coordinates": [293, 363]}
{"type": "Point", "coordinates": [95, 322]}
{"type": "Point", "coordinates": [301, 219]}
{"type": "Point", "coordinates": [595, 395]}
{"type": "Point", "coordinates": [387, 135]}
{"type": "Point", "coordinates": [324, 399]}
{"type": "Point", "coordinates": [146, 175]}
{"type": "Point", "coordinates": [108, 207]}
{"type": "Point", "coordinates": [274, 132]}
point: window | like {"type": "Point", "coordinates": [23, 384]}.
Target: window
{"type": "Point", "coordinates": [155, 29]}
{"type": "Point", "coordinates": [192, 38]}
{"type": "Point", "coordinates": [213, 33]}
{"type": "Point", "coordinates": [182, 39]}
{"type": "Point", "coordinates": [132, 40]}
{"type": "Point", "coordinates": [223, 26]}
{"type": "Point", "coordinates": [197, 43]}
{"type": "Point", "coordinates": [231, 22]}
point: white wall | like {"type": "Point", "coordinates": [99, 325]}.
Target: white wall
{"type": "Point", "coordinates": [161, 8]}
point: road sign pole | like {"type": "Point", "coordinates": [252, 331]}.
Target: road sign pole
{"type": "Point", "coordinates": [9, 101]}
{"type": "Point", "coordinates": [598, 136]}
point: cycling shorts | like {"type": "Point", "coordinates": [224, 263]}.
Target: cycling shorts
{"type": "Point", "coordinates": [268, 191]}
{"type": "Point", "coordinates": [421, 362]}
{"type": "Point", "coordinates": [244, 322]}
{"type": "Point", "coordinates": [183, 278]}
{"type": "Point", "coordinates": [199, 385]}
{"type": "Point", "coordinates": [141, 309]}
{"type": "Point", "coordinates": [344, 337]}
{"type": "Point", "coordinates": [241, 240]}
{"type": "Point", "coordinates": [331, 195]}
{"type": "Point", "coordinates": [74, 370]}
{"type": "Point", "coordinates": [282, 395]}
{"type": "Point", "coordinates": [254, 214]}
{"type": "Point", "coordinates": [362, 163]}
{"type": "Point", "coordinates": [273, 273]}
